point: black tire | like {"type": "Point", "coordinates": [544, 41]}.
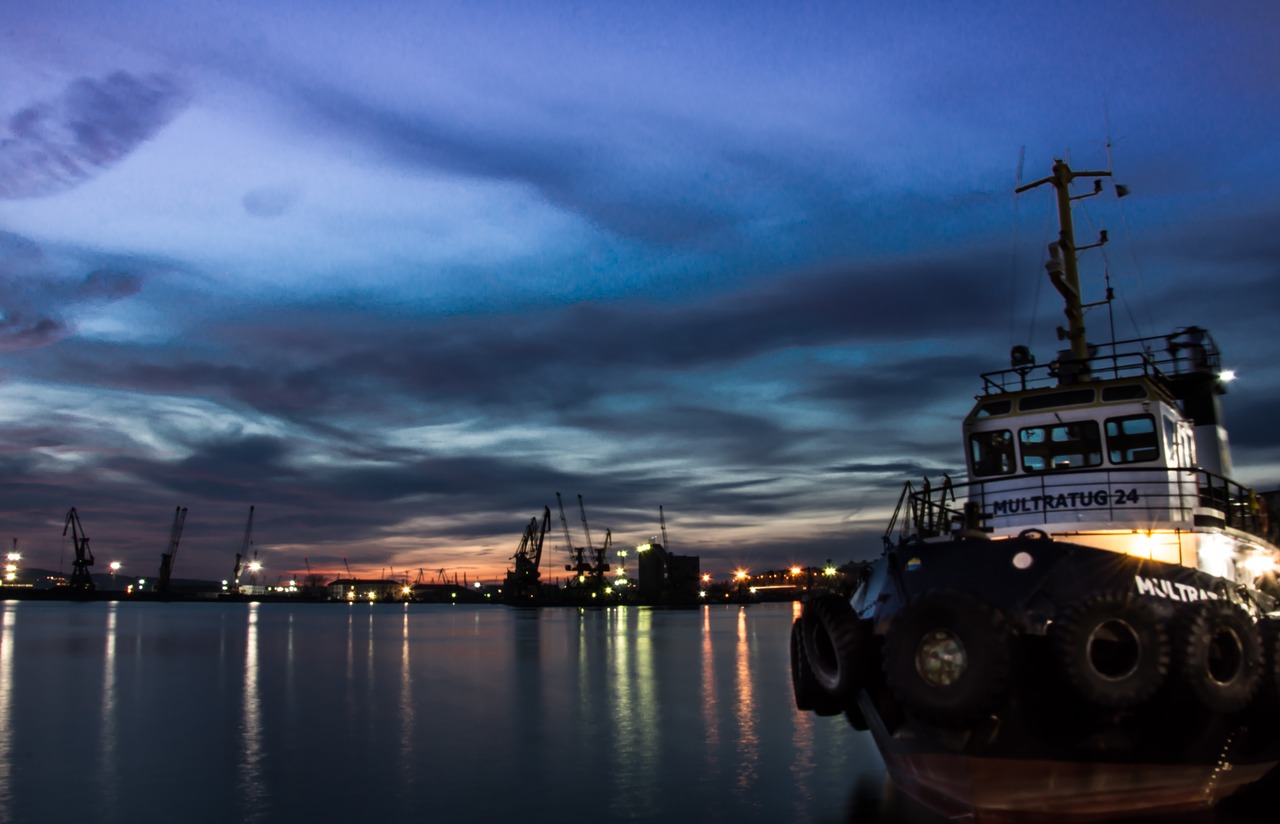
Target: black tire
{"type": "Point", "coordinates": [948, 657]}
{"type": "Point", "coordinates": [836, 643]}
{"type": "Point", "coordinates": [1113, 649]}
{"type": "Point", "coordinates": [1220, 656]}
{"type": "Point", "coordinates": [808, 695]}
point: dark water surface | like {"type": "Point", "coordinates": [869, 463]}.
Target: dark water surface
{"type": "Point", "coordinates": [147, 712]}
{"type": "Point", "coordinates": [314, 712]}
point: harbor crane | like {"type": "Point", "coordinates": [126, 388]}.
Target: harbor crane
{"type": "Point", "coordinates": [522, 585]}
{"type": "Point", "coordinates": [167, 558]}
{"type": "Point", "coordinates": [578, 564]}
{"type": "Point", "coordinates": [598, 565]}
{"type": "Point", "coordinates": [81, 580]}
{"type": "Point", "coordinates": [244, 550]}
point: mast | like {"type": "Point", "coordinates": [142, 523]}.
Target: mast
{"type": "Point", "coordinates": [1063, 267]}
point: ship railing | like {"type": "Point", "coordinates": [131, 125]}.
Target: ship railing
{"type": "Point", "coordinates": [925, 512]}
{"type": "Point", "coordinates": [1136, 498]}
{"type": "Point", "coordinates": [1161, 357]}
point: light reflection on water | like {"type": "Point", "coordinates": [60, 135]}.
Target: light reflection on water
{"type": "Point", "coordinates": [109, 716]}
{"type": "Point", "coordinates": [318, 713]}
{"type": "Point", "coordinates": [252, 792]}
{"type": "Point", "coordinates": [745, 714]}
{"type": "Point", "coordinates": [7, 619]}
{"type": "Point", "coordinates": [406, 707]}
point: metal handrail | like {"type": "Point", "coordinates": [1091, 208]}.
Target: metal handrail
{"type": "Point", "coordinates": [1197, 496]}
{"type": "Point", "coordinates": [1160, 357]}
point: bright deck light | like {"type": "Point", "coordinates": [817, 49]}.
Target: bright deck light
{"type": "Point", "coordinates": [1260, 563]}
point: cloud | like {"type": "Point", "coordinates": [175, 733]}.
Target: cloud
{"type": "Point", "coordinates": [18, 332]}
{"type": "Point", "coordinates": [54, 145]}
{"type": "Point", "coordinates": [270, 201]}
{"type": "Point", "coordinates": [39, 293]}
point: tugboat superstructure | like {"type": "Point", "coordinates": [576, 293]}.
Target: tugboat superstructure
{"type": "Point", "coordinates": [1021, 646]}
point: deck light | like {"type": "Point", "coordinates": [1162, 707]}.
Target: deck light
{"type": "Point", "coordinates": [1260, 564]}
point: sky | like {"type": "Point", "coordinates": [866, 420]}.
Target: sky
{"type": "Point", "coordinates": [396, 273]}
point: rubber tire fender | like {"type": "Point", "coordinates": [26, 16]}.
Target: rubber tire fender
{"type": "Point", "coordinates": [1220, 655]}
{"type": "Point", "coordinates": [836, 644]}
{"type": "Point", "coordinates": [981, 632]}
{"type": "Point", "coordinates": [1113, 648]}
{"type": "Point", "coordinates": [809, 697]}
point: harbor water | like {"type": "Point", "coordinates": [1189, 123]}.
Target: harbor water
{"type": "Point", "coordinates": [230, 712]}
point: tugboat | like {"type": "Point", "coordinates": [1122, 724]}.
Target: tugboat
{"type": "Point", "coordinates": [1086, 629]}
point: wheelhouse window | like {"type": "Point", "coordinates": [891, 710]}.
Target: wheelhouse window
{"type": "Point", "coordinates": [990, 408]}
{"type": "Point", "coordinates": [1062, 446]}
{"type": "Point", "coordinates": [1132, 439]}
{"type": "Point", "coordinates": [991, 453]}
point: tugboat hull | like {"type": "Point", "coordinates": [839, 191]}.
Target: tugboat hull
{"type": "Point", "coordinates": [1021, 736]}
{"type": "Point", "coordinates": [1028, 790]}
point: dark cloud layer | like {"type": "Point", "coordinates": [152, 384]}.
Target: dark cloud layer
{"type": "Point", "coordinates": [35, 301]}
{"type": "Point", "coordinates": [560, 367]}
{"type": "Point", "coordinates": [50, 146]}
{"type": "Point", "coordinates": [747, 270]}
